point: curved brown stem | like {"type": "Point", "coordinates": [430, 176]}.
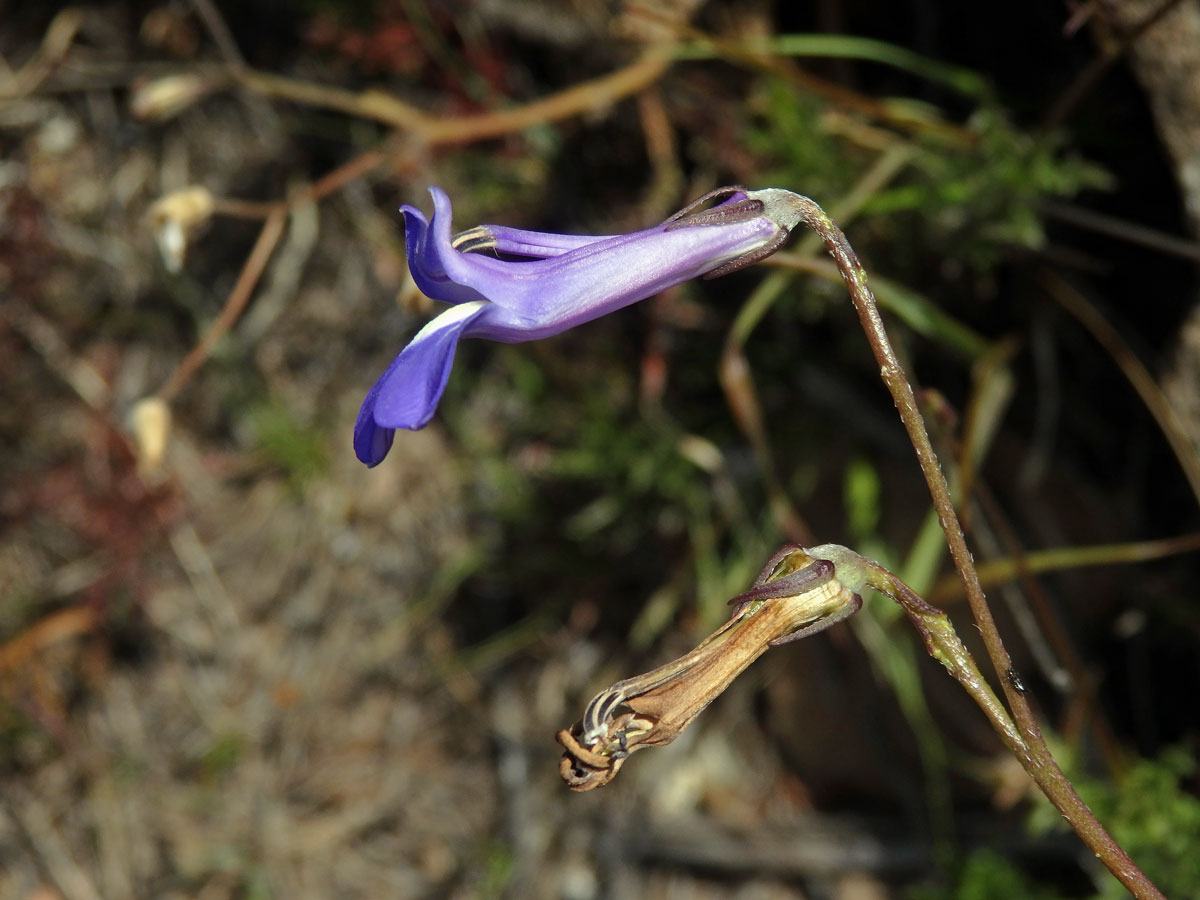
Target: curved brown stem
{"type": "Point", "coordinates": [1034, 754]}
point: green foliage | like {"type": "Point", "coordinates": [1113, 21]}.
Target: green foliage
{"type": "Point", "coordinates": [985, 875]}
{"type": "Point", "coordinates": [221, 756]}
{"type": "Point", "coordinates": [496, 189]}
{"type": "Point", "coordinates": [847, 46]}
{"type": "Point", "coordinates": [497, 869]}
{"type": "Point", "coordinates": [20, 737]}
{"type": "Point", "coordinates": [298, 450]}
{"type": "Point", "coordinates": [972, 192]}
{"type": "Point", "coordinates": [579, 438]}
{"type": "Point", "coordinates": [1152, 817]}
{"type": "Point", "coordinates": [981, 197]}
{"type": "Point", "coordinates": [637, 462]}
{"type": "Point", "coordinates": [798, 151]}
{"type": "Point", "coordinates": [863, 497]}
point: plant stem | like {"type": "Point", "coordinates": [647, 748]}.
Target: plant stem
{"type": "Point", "coordinates": [1030, 748]}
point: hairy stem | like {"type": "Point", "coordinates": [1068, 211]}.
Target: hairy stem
{"type": "Point", "coordinates": [1032, 751]}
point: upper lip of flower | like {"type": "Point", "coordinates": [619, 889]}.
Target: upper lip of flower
{"type": "Point", "coordinates": [565, 281]}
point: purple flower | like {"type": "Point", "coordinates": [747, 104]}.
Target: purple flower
{"type": "Point", "coordinates": [563, 281]}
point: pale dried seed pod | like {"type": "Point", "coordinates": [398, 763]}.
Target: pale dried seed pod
{"type": "Point", "coordinates": [163, 98]}
{"type": "Point", "coordinates": [150, 422]}
{"type": "Point", "coordinates": [175, 218]}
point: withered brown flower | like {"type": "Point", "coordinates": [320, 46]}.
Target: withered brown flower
{"type": "Point", "coordinates": [795, 596]}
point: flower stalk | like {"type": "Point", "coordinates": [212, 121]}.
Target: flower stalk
{"type": "Point", "coordinates": [1033, 752]}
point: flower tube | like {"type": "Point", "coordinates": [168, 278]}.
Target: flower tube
{"type": "Point", "coordinates": [558, 282]}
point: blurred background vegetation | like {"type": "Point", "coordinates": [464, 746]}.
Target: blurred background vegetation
{"type": "Point", "coordinates": [244, 666]}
